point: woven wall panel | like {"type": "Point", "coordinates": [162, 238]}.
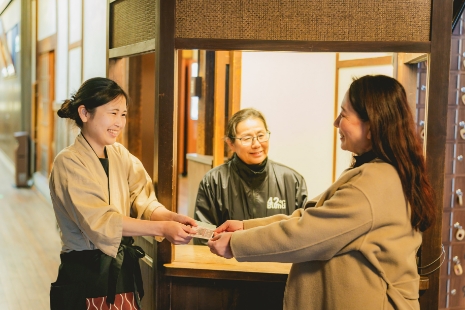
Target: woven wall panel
{"type": "Point", "coordinates": [307, 20]}
{"type": "Point", "coordinates": [131, 21]}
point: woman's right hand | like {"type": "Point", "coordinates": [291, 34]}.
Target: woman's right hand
{"type": "Point", "coordinates": [229, 226]}
{"type": "Point", "coordinates": [177, 233]}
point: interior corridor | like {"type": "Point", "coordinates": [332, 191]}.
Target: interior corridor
{"type": "Point", "coordinates": [29, 246]}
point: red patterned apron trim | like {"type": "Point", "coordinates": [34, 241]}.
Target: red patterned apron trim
{"type": "Point", "coordinates": [123, 301]}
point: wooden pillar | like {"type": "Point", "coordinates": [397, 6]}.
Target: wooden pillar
{"type": "Point", "coordinates": [405, 66]}
{"type": "Point", "coordinates": [221, 59]}
{"type": "Point", "coordinates": [435, 136]}
{"type": "Point", "coordinates": [165, 135]}
{"type": "Point", "coordinates": [235, 81]}
{"type": "Point", "coordinates": [205, 121]}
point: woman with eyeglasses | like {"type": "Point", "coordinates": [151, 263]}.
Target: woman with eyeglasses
{"type": "Point", "coordinates": [356, 247]}
{"type": "Point", "coordinates": [249, 185]}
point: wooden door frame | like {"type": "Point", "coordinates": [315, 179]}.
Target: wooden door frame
{"type": "Point", "coordinates": [46, 45]}
{"type": "Point", "coordinates": [438, 50]}
{"type": "Point", "coordinates": [167, 43]}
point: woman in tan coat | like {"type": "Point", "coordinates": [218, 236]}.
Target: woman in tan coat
{"type": "Point", "coordinates": [102, 197]}
{"type": "Point", "coordinates": [356, 249]}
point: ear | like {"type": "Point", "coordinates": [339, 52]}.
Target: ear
{"type": "Point", "coordinates": [83, 113]}
{"type": "Point", "coordinates": [230, 144]}
{"type": "Point", "coordinates": [369, 132]}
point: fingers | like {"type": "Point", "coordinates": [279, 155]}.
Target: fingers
{"type": "Point", "coordinates": [223, 227]}
{"type": "Point", "coordinates": [184, 219]}
{"type": "Point", "coordinates": [212, 245]}
{"type": "Point", "coordinates": [191, 221]}
{"type": "Point", "coordinates": [230, 226]}
{"type": "Point", "coordinates": [220, 245]}
{"type": "Point", "coordinates": [189, 229]}
{"type": "Point", "coordinates": [178, 233]}
{"type": "Point", "coordinates": [188, 221]}
{"type": "Point", "coordinates": [216, 237]}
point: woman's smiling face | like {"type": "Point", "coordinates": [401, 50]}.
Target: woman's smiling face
{"type": "Point", "coordinates": [354, 133]}
{"type": "Point", "coordinates": [255, 153]}
{"type": "Point", "coordinates": [103, 126]}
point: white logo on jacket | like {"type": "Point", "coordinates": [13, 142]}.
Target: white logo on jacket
{"type": "Point", "coordinates": [275, 203]}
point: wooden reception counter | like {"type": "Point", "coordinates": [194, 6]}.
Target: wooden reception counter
{"type": "Point", "coordinates": [202, 280]}
{"type": "Point", "coordinates": [192, 260]}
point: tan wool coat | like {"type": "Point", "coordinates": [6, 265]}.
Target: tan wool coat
{"type": "Point", "coordinates": [356, 249]}
{"type": "Point", "coordinates": [89, 206]}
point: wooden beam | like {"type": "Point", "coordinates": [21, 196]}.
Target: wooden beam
{"type": "Point", "coordinates": [303, 46]}
{"type": "Point", "coordinates": [201, 121]}
{"type": "Point", "coordinates": [414, 58]}
{"type": "Point", "coordinates": [363, 62]}
{"type": "Point", "coordinates": [435, 137]}
{"type": "Point", "coordinates": [73, 45]}
{"type": "Point", "coordinates": [406, 74]}
{"type": "Point", "coordinates": [133, 49]}
{"type": "Point", "coordinates": [235, 83]}
{"type": "Point", "coordinates": [47, 44]}
{"type": "Point", "coordinates": [221, 59]}
{"type": "Point", "coordinates": [235, 78]}
{"type": "Point", "coordinates": [165, 128]}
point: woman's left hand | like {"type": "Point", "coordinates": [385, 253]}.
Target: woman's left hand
{"type": "Point", "coordinates": [220, 245]}
{"type": "Point", "coordinates": [163, 214]}
{"type": "Point", "coordinates": [184, 219]}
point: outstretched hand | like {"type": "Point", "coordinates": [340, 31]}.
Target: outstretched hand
{"type": "Point", "coordinates": [184, 219]}
{"type": "Point", "coordinates": [177, 233]}
{"type": "Point", "coordinates": [229, 226]}
{"type": "Point", "coordinates": [220, 245]}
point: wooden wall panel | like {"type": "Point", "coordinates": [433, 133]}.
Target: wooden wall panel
{"type": "Point", "coordinates": [304, 20]}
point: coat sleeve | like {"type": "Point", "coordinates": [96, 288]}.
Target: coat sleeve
{"type": "Point", "coordinates": [85, 203]}
{"type": "Point", "coordinates": [301, 193]}
{"type": "Point", "coordinates": [142, 193]}
{"type": "Point", "coordinates": [337, 226]}
{"type": "Point", "coordinates": [205, 206]}
{"type": "Point", "coordinates": [205, 209]}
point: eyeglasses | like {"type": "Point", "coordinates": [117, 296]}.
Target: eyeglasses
{"type": "Point", "coordinates": [248, 140]}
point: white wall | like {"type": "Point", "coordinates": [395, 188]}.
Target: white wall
{"type": "Point", "coordinates": [47, 23]}
{"type": "Point", "coordinates": [346, 75]}
{"type": "Point", "coordinates": [295, 91]}
{"type": "Point", "coordinates": [94, 39]}
{"type": "Point", "coordinates": [61, 58]}
{"type": "Point", "coordinates": [12, 15]}
{"type": "Point", "coordinates": [75, 20]}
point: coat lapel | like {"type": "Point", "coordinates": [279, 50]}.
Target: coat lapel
{"type": "Point", "coordinates": [91, 160]}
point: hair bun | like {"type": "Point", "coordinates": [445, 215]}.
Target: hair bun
{"type": "Point", "coordinates": [65, 110]}
{"type": "Point", "coordinates": [62, 113]}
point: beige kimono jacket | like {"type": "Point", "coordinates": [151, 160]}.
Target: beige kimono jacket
{"type": "Point", "coordinates": [89, 207]}
{"type": "Point", "coordinates": [355, 250]}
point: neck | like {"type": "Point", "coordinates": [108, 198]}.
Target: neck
{"type": "Point", "coordinates": [99, 151]}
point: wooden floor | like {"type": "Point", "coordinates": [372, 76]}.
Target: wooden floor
{"type": "Point", "coordinates": [30, 243]}
{"type": "Point", "coordinates": [29, 246]}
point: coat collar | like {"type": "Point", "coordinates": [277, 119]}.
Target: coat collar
{"type": "Point", "coordinates": [252, 175]}
{"type": "Point", "coordinates": [91, 160]}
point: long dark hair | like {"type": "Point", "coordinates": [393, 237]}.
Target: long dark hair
{"type": "Point", "coordinates": [93, 93]}
{"type": "Point", "coordinates": [382, 101]}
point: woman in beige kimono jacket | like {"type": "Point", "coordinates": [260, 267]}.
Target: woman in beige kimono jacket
{"type": "Point", "coordinates": [102, 197]}
{"type": "Point", "coordinates": [354, 247]}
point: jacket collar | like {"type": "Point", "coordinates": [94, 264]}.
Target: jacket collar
{"type": "Point", "coordinates": [91, 160]}
{"type": "Point", "coordinates": [252, 175]}
{"type": "Point", "coordinates": [364, 158]}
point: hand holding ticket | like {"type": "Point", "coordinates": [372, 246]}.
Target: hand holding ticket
{"type": "Point", "coordinates": [204, 230]}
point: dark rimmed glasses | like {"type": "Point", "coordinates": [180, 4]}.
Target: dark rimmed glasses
{"type": "Point", "coordinates": [248, 140]}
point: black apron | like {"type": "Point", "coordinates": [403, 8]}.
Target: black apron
{"type": "Point", "coordinates": [92, 273]}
